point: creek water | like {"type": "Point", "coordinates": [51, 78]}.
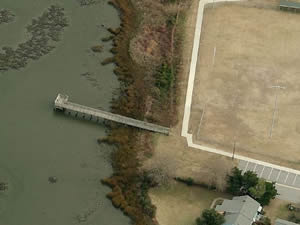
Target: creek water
{"type": "Point", "coordinates": [35, 142]}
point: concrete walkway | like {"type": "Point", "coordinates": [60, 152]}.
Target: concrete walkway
{"type": "Point", "coordinates": [283, 189]}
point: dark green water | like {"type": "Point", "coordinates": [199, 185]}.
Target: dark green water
{"type": "Point", "coordinates": [36, 143]}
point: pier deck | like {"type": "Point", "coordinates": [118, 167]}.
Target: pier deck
{"type": "Point", "coordinates": [62, 103]}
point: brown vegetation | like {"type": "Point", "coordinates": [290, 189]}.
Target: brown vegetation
{"type": "Point", "coordinates": [109, 38]}
{"type": "Point", "coordinates": [139, 98]}
{"type": "Point", "coordinates": [211, 172]}
{"type": "Point", "coordinates": [97, 48]}
{"type": "Point", "coordinates": [108, 60]}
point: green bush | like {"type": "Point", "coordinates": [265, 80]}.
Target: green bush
{"type": "Point", "coordinates": [188, 181]}
{"type": "Point", "coordinates": [210, 217]}
{"type": "Point", "coordinates": [164, 78]}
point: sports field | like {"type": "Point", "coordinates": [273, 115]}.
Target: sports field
{"type": "Point", "coordinates": [247, 85]}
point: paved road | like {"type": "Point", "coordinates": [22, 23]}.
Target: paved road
{"type": "Point", "coordinates": [288, 182]}
{"type": "Point", "coordinates": [288, 193]}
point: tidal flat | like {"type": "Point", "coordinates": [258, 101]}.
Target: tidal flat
{"type": "Point", "coordinates": [38, 145]}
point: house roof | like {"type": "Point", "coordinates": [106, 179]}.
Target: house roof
{"type": "Point", "coordinates": [239, 211]}
{"type": "Point", "coordinates": [288, 4]}
{"type": "Point", "coordinates": [283, 222]}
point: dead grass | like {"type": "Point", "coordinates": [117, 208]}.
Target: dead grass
{"type": "Point", "coordinates": [256, 48]}
{"type": "Point", "coordinates": [129, 185]}
{"type": "Point", "coordinates": [188, 162]}
{"type": "Point", "coordinates": [278, 209]}
{"type": "Point", "coordinates": [182, 204]}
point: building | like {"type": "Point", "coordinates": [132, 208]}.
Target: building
{"type": "Point", "coordinates": [242, 210]}
{"type": "Point", "coordinates": [284, 222]}
{"type": "Point", "coordinates": [289, 6]}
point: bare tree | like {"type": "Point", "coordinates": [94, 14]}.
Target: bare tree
{"type": "Point", "coordinates": [162, 168]}
{"type": "Point", "coordinates": [217, 170]}
{"type": "Point", "coordinates": [165, 166]}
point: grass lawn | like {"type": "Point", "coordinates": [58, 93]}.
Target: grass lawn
{"type": "Point", "coordinates": [181, 204]}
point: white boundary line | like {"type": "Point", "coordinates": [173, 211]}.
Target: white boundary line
{"type": "Point", "coordinates": [262, 171]}
{"type": "Point", "coordinates": [288, 186]}
{"type": "Point", "coordinates": [189, 96]}
{"type": "Point", "coordinates": [295, 179]}
{"type": "Point", "coordinates": [246, 167]}
{"type": "Point", "coordinates": [287, 176]}
{"type": "Point", "coordinates": [199, 126]}
{"type": "Point", "coordinates": [254, 168]}
{"type": "Point", "coordinates": [278, 175]}
{"type": "Point", "coordinates": [270, 173]}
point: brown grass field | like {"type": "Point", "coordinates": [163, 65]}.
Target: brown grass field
{"type": "Point", "coordinates": [256, 48]}
{"type": "Point", "coordinates": [180, 204]}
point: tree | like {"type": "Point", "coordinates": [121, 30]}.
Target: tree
{"type": "Point", "coordinates": [210, 217]}
{"type": "Point", "coordinates": [235, 181]}
{"type": "Point", "coordinates": [258, 191]}
{"type": "Point", "coordinates": [250, 184]}
{"type": "Point", "coordinates": [269, 194]}
{"type": "Point", "coordinates": [217, 170]}
{"type": "Point", "coordinates": [161, 168]}
{"type": "Point", "coordinates": [250, 180]}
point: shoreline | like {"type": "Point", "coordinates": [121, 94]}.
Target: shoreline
{"type": "Point", "coordinates": [129, 183]}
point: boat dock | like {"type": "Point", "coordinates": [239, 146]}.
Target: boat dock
{"type": "Point", "coordinates": [62, 103]}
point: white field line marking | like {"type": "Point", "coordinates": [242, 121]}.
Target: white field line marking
{"type": "Point", "coordinates": [275, 108]}
{"type": "Point", "coordinates": [189, 96]}
{"type": "Point", "coordinates": [286, 177]}
{"type": "Point", "coordinates": [287, 186]}
{"type": "Point", "coordinates": [273, 117]}
{"type": "Point", "coordinates": [192, 72]}
{"type": "Point", "coordinates": [215, 49]}
{"type": "Point", "coordinates": [198, 132]}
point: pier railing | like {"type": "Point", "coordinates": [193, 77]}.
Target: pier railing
{"type": "Point", "coordinates": [62, 103]}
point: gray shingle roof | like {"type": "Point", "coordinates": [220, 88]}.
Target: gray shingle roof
{"type": "Point", "coordinates": [288, 4]}
{"type": "Point", "coordinates": [283, 222]}
{"type": "Point", "coordinates": [239, 211]}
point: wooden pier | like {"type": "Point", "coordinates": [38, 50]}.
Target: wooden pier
{"type": "Point", "coordinates": [62, 103]}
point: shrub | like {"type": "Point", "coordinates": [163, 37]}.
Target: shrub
{"type": "Point", "coordinates": [263, 221]}
{"type": "Point", "coordinates": [97, 48]}
{"type": "Point", "coordinates": [210, 217]}
{"type": "Point", "coordinates": [164, 78]}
